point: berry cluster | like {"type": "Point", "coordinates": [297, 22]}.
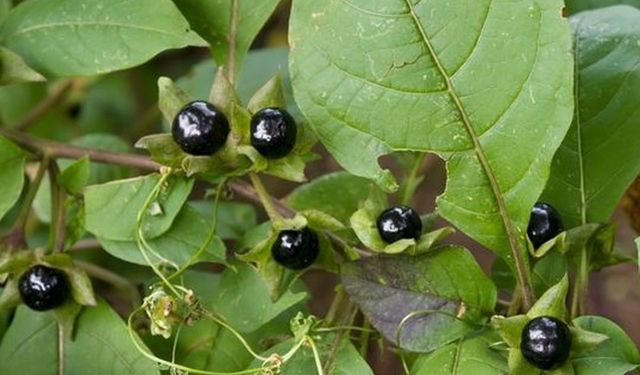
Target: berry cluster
{"type": "Point", "coordinates": [201, 129]}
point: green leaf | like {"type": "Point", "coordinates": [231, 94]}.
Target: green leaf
{"type": "Point", "coordinates": [597, 160]}
{"type": "Point", "coordinates": [548, 271]}
{"type": "Point", "coordinates": [575, 6]}
{"type": "Point", "coordinates": [337, 355]}
{"type": "Point", "coordinates": [5, 6]}
{"type": "Point", "coordinates": [76, 176]}
{"type": "Point", "coordinates": [13, 69]}
{"type": "Point", "coordinates": [112, 208]}
{"type": "Point", "coordinates": [211, 19]}
{"type": "Point", "coordinates": [616, 356]}
{"type": "Point", "coordinates": [269, 95]}
{"type": "Point", "coordinates": [338, 194]}
{"type": "Point", "coordinates": [72, 38]}
{"type": "Point", "coordinates": [470, 356]}
{"type": "Point", "coordinates": [178, 245]}
{"type": "Point", "coordinates": [427, 301]}
{"type": "Point", "coordinates": [552, 302]}
{"type": "Point", "coordinates": [244, 300]}
{"type": "Point", "coordinates": [12, 160]}
{"type": "Point", "coordinates": [99, 330]}
{"type": "Point", "coordinates": [474, 82]}
{"type": "Point", "coordinates": [100, 172]}
{"type": "Point", "coordinates": [234, 219]}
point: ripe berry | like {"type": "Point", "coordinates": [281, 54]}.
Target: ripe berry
{"type": "Point", "coordinates": [546, 342]}
{"type": "Point", "coordinates": [399, 222]}
{"type": "Point", "coordinates": [273, 132]}
{"type": "Point", "coordinates": [43, 288]}
{"type": "Point", "coordinates": [296, 249]}
{"type": "Point", "coordinates": [200, 128]}
{"type": "Point", "coordinates": [544, 224]}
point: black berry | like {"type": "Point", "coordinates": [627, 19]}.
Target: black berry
{"type": "Point", "coordinates": [200, 128]}
{"type": "Point", "coordinates": [43, 288]}
{"type": "Point", "coordinates": [544, 224]}
{"type": "Point", "coordinates": [296, 249]}
{"type": "Point", "coordinates": [399, 222]}
{"type": "Point", "coordinates": [273, 132]}
{"type": "Point", "coordinates": [546, 342]}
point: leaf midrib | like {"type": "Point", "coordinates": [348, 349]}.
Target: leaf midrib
{"type": "Point", "coordinates": [516, 250]}
{"type": "Point", "coordinates": [576, 94]}
{"type": "Point", "coordinates": [54, 25]}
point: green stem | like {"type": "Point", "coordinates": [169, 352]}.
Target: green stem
{"type": "Point", "coordinates": [581, 287]}
{"type": "Point", "coordinates": [58, 210]}
{"type": "Point", "coordinates": [410, 185]}
{"type": "Point", "coordinates": [335, 305]}
{"type": "Point", "coordinates": [365, 338]}
{"type": "Point", "coordinates": [516, 303]}
{"type": "Point", "coordinates": [265, 198]}
{"type": "Point", "coordinates": [16, 236]}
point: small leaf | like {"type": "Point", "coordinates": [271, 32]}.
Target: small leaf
{"type": "Point", "coordinates": [12, 160]}
{"type": "Point", "coordinates": [163, 149]}
{"type": "Point", "coordinates": [552, 302]}
{"type": "Point", "coordinates": [510, 328]}
{"type": "Point", "coordinates": [13, 69]}
{"type": "Point", "coordinates": [9, 296]}
{"type": "Point", "coordinates": [171, 98]}
{"type": "Point", "coordinates": [429, 239]}
{"type": "Point", "coordinates": [424, 301]}
{"type": "Point", "coordinates": [269, 95]}
{"type": "Point", "coordinates": [223, 94]}
{"type": "Point", "coordinates": [585, 341]}
{"type": "Point", "coordinates": [123, 199]}
{"type": "Point", "coordinates": [548, 271]}
{"type": "Point", "coordinates": [616, 356]}
{"type": "Point", "coordinates": [76, 176]}
{"type": "Point", "coordinates": [557, 242]}
{"type": "Point", "coordinates": [322, 221]}
{"type": "Point", "coordinates": [71, 38]}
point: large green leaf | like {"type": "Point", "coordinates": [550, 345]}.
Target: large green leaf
{"type": "Point", "coordinates": [337, 194]}
{"type": "Point", "coordinates": [212, 20]}
{"type": "Point", "coordinates": [472, 356]}
{"type": "Point", "coordinates": [575, 6]}
{"type": "Point", "coordinates": [11, 174]}
{"type": "Point", "coordinates": [71, 38]}
{"type": "Point", "coordinates": [485, 84]}
{"type": "Point", "coordinates": [179, 244]}
{"type": "Point", "coordinates": [112, 208]}
{"type": "Point", "coordinates": [338, 356]}
{"type": "Point", "coordinates": [599, 157]}
{"type": "Point", "coordinates": [426, 301]}
{"type": "Point", "coordinates": [616, 356]}
{"type": "Point", "coordinates": [101, 345]}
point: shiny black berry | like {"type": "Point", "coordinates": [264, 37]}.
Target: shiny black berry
{"type": "Point", "coordinates": [544, 224]}
{"type": "Point", "coordinates": [273, 132]}
{"type": "Point", "coordinates": [399, 222]}
{"type": "Point", "coordinates": [43, 288]}
{"type": "Point", "coordinates": [546, 342]}
{"type": "Point", "coordinates": [296, 249]}
{"type": "Point", "coordinates": [200, 128]}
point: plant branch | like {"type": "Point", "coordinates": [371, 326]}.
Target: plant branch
{"type": "Point", "coordinates": [233, 42]}
{"type": "Point", "coordinates": [411, 184]}
{"type": "Point", "coordinates": [57, 96]}
{"type": "Point", "coordinates": [61, 150]}
{"type": "Point", "coordinates": [57, 150]}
